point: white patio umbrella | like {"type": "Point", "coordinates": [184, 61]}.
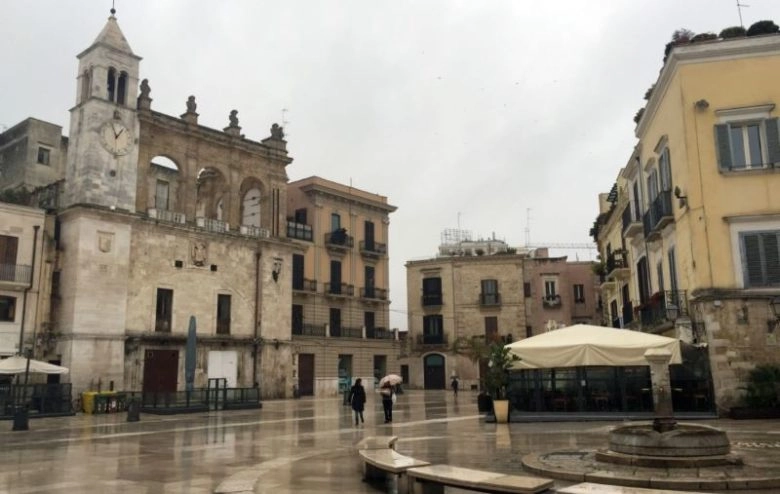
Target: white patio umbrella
{"type": "Point", "coordinates": [583, 344]}
{"type": "Point", "coordinates": [18, 365]}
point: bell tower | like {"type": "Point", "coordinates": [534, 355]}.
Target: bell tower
{"type": "Point", "coordinates": [103, 148]}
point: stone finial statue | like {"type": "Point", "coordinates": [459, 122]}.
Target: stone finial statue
{"type": "Point", "coordinates": [277, 132]}
{"type": "Point", "coordinates": [191, 105]}
{"type": "Point", "coordinates": [234, 118]}
{"type": "Point", "coordinates": [145, 89]}
{"type": "Point", "coordinates": [144, 102]}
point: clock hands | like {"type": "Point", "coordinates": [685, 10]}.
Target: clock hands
{"type": "Point", "coordinates": [121, 129]}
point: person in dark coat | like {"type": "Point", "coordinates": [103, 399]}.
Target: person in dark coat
{"type": "Point", "coordinates": [387, 401]}
{"type": "Point", "coordinates": [357, 398]}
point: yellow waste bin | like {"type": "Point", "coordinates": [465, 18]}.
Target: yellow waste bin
{"type": "Point", "coordinates": [88, 401]}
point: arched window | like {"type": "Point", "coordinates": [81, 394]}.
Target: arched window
{"type": "Point", "coordinates": [111, 84]}
{"type": "Point", "coordinates": [251, 208]}
{"type": "Point", "coordinates": [121, 94]}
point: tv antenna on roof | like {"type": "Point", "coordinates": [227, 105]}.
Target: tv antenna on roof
{"type": "Point", "coordinates": [739, 9]}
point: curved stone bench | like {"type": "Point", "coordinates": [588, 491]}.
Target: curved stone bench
{"type": "Point", "coordinates": [590, 488]}
{"type": "Point", "coordinates": [377, 442]}
{"type": "Point", "coordinates": [378, 463]}
{"type": "Point", "coordinates": [432, 479]}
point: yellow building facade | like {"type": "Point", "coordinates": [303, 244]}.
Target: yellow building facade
{"type": "Point", "coordinates": [697, 209]}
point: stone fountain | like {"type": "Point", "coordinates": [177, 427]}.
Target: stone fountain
{"type": "Point", "coordinates": [664, 443]}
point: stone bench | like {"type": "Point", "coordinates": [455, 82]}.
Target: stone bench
{"type": "Point", "coordinates": [377, 442]}
{"type": "Point", "coordinates": [377, 463]}
{"type": "Point", "coordinates": [432, 479]}
{"type": "Point", "coordinates": [590, 488]}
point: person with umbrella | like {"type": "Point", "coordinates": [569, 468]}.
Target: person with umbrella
{"type": "Point", "coordinates": [357, 398]}
{"type": "Point", "coordinates": [386, 390]}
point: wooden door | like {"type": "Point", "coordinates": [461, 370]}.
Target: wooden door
{"type": "Point", "coordinates": [306, 374]}
{"type": "Point", "coordinates": [161, 371]}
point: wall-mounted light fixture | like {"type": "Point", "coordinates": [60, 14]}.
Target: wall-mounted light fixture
{"type": "Point", "coordinates": [702, 104]}
{"type": "Point", "coordinates": [683, 200]}
{"type": "Point", "coordinates": [277, 269]}
{"type": "Point", "coordinates": [774, 304]}
{"type": "Point", "coordinates": [672, 312]}
{"type": "Point", "coordinates": [276, 343]}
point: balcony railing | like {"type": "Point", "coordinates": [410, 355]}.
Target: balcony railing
{"type": "Point", "coordinates": [489, 299]}
{"type": "Point", "coordinates": [309, 330]}
{"type": "Point", "coordinates": [345, 332]}
{"type": "Point", "coordinates": [663, 307]}
{"type": "Point", "coordinates": [379, 334]}
{"type": "Point", "coordinates": [212, 225]}
{"type": "Point", "coordinates": [16, 273]}
{"type": "Point", "coordinates": [373, 293]}
{"type": "Point", "coordinates": [616, 260]}
{"type": "Point", "coordinates": [632, 220]}
{"type": "Point", "coordinates": [551, 300]}
{"type": "Point", "coordinates": [373, 249]}
{"type": "Point", "coordinates": [431, 339]}
{"type": "Point", "coordinates": [339, 240]}
{"type": "Point", "coordinates": [431, 299]}
{"type": "Point", "coordinates": [659, 214]}
{"type": "Point", "coordinates": [254, 231]}
{"type": "Point", "coordinates": [342, 289]}
{"type": "Point", "coordinates": [305, 285]}
{"type": "Point", "coordinates": [299, 231]}
{"type": "Point", "coordinates": [167, 216]}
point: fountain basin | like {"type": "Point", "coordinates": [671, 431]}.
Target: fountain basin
{"type": "Point", "coordinates": [683, 440]}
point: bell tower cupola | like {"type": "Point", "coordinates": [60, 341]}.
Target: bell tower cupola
{"type": "Point", "coordinates": [103, 147]}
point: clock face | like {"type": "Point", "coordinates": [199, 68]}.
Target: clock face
{"type": "Point", "coordinates": [116, 138]}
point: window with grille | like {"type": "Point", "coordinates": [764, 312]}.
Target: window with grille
{"type": "Point", "coordinates": [223, 314]}
{"type": "Point", "coordinates": [164, 310]}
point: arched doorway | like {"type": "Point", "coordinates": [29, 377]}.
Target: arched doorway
{"type": "Point", "coordinates": [433, 366]}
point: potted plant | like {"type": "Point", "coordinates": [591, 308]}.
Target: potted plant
{"type": "Point", "coordinates": [496, 381]}
{"type": "Point", "coordinates": [762, 395]}
{"type": "Point", "coordinates": [476, 350]}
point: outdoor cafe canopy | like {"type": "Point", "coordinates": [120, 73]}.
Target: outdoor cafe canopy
{"type": "Point", "coordinates": [583, 344]}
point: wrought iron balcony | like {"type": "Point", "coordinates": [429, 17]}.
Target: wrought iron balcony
{"type": "Point", "coordinates": [379, 334]}
{"type": "Point", "coordinates": [632, 220]}
{"type": "Point", "coordinates": [345, 332]}
{"type": "Point", "coordinates": [340, 289]}
{"type": "Point", "coordinates": [617, 264]}
{"type": "Point", "coordinates": [431, 299]}
{"type": "Point", "coordinates": [15, 274]}
{"type": "Point", "coordinates": [551, 301]}
{"type": "Point", "coordinates": [658, 215]}
{"type": "Point", "coordinates": [373, 293]}
{"type": "Point", "coordinates": [372, 248]}
{"type": "Point", "coordinates": [432, 340]}
{"type": "Point", "coordinates": [489, 299]}
{"type": "Point", "coordinates": [305, 285]}
{"type": "Point", "coordinates": [299, 231]}
{"type": "Point", "coordinates": [309, 330]}
{"type": "Point", "coordinates": [663, 307]}
{"type": "Point", "coordinates": [339, 240]}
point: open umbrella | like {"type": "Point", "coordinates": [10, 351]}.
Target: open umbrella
{"type": "Point", "coordinates": [18, 364]}
{"type": "Point", "coordinates": [392, 379]}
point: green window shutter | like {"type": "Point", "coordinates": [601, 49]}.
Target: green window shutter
{"type": "Point", "coordinates": [773, 141]}
{"type": "Point", "coordinates": [723, 145]}
{"type": "Point", "coordinates": [754, 273]}
{"type": "Point", "coordinates": [772, 256]}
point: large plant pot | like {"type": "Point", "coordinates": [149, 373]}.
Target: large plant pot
{"type": "Point", "coordinates": [501, 410]}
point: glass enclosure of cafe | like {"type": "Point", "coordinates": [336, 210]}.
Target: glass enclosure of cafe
{"type": "Point", "coordinates": [612, 389]}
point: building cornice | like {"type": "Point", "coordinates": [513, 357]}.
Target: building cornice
{"type": "Point", "coordinates": [718, 50]}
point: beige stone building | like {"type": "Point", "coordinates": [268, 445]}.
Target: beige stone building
{"type": "Point", "coordinates": [24, 271]}
{"type": "Point", "coordinates": [160, 218]}
{"type": "Point", "coordinates": [486, 290]}
{"type": "Point", "coordinates": [689, 233]}
{"type": "Point", "coordinates": [340, 285]}
{"type": "Point", "coordinates": [32, 154]}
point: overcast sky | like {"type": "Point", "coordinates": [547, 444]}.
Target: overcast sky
{"type": "Point", "coordinates": [462, 112]}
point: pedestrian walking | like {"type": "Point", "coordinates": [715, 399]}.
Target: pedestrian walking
{"type": "Point", "coordinates": [357, 398]}
{"type": "Point", "coordinates": [454, 385]}
{"type": "Point", "coordinates": [387, 401]}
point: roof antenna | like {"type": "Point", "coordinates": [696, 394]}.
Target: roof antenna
{"type": "Point", "coordinates": [113, 10]}
{"type": "Point", "coordinates": [739, 9]}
